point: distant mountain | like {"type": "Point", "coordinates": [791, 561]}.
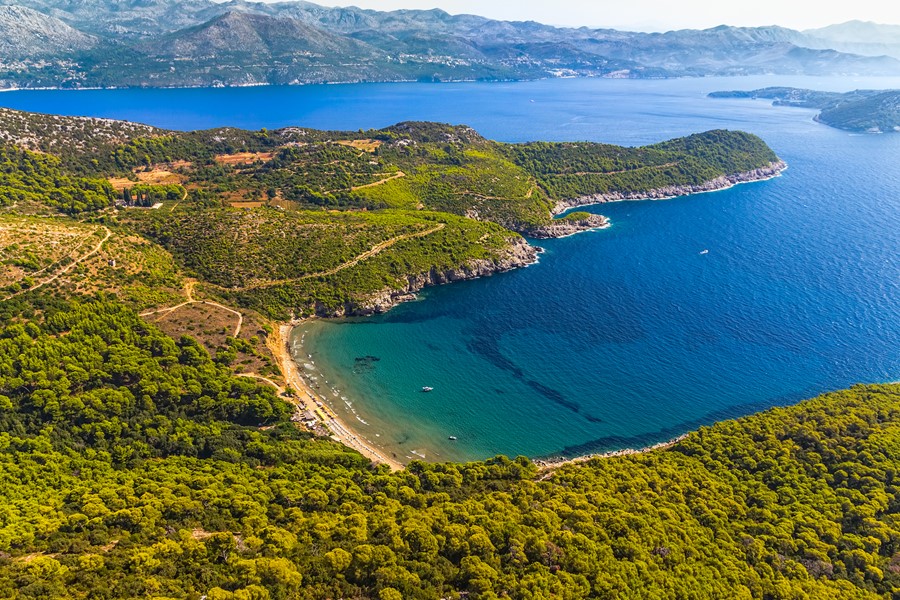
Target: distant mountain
{"type": "Point", "coordinates": [257, 36]}
{"type": "Point", "coordinates": [28, 33]}
{"type": "Point", "coordinates": [200, 42]}
{"type": "Point", "coordinates": [870, 111]}
{"type": "Point", "coordinates": [859, 37]}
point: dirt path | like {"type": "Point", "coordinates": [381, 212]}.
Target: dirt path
{"type": "Point", "coordinates": [189, 294]}
{"type": "Point", "coordinates": [397, 175]}
{"type": "Point", "coordinates": [65, 269]}
{"type": "Point", "coordinates": [183, 198]}
{"type": "Point", "coordinates": [308, 400]}
{"type": "Point", "coordinates": [261, 378]}
{"type": "Point", "coordinates": [350, 263]}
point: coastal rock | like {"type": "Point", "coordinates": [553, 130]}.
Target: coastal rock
{"type": "Point", "coordinates": [564, 227]}
{"type": "Point", "coordinates": [518, 254]}
{"type": "Point", "coordinates": [673, 191]}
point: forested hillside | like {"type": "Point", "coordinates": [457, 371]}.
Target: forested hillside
{"type": "Point", "coordinates": [136, 466]}
{"type": "Point", "coordinates": [869, 111]}
{"type": "Point", "coordinates": [148, 438]}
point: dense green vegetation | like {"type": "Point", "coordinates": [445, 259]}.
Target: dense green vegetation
{"type": "Point", "coordinates": [28, 177]}
{"type": "Point", "coordinates": [143, 194]}
{"type": "Point", "coordinates": [135, 466]}
{"type": "Point", "coordinates": [77, 141]}
{"type": "Point", "coordinates": [877, 113]}
{"type": "Point", "coordinates": [572, 170]}
{"type": "Point", "coordinates": [434, 166]}
{"type": "Point", "coordinates": [284, 262]}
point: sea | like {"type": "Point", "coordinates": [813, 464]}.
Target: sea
{"type": "Point", "coordinates": [684, 312]}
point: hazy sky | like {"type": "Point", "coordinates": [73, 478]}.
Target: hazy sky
{"type": "Point", "coordinates": [658, 15]}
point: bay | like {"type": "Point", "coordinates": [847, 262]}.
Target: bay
{"type": "Point", "coordinates": [617, 338]}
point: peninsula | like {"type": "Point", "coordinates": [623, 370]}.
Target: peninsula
{"type": "Point", "coordinates": [863, 111]}
{"type": "Point", "coordinates": [156, 440]}
{"type": "Point", "coordinates": [226, 235]}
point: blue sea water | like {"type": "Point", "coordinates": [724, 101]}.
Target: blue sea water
{"type": "Point", "coordinates": [622, 337]}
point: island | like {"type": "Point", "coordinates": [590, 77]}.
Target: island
{"type": "Point", "coordinates": [157, 441]}
{"type": "Point", "coordinates": [863, 111]}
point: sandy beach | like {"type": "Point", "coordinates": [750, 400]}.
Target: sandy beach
{"type": "Point", "coordinates": [308, 399]}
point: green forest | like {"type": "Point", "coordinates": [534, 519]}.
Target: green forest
{"type": "Point", "coordinates": [136, 465]}
{"type": "Point", "coordinates": [148, 447]}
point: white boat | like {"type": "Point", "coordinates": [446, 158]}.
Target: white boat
{"type": "Point", "coordinates": [705, 252]}
{"type": "Point", "coordinates": [425, 388]}
{"type": "Point", "coordinates": [452, 437]}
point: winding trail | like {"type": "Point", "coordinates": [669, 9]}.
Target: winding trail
{"type": "Point", "coordinates": [183, 198]}
{"type": "Point", "coordinates": [396, 175]}
{"type": "Point", "coordinates": [189, 293]}
{"type": "Point", "coordinates": [376, 249]}
{"type": "Point", "coordinates": [261, 378]}
{"type": "Point", "coordinates": [65, 269]}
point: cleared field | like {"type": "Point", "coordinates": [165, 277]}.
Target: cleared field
{"type": "Point", "coordinates": [36, 247]}
{"type": "Point", "coordinates": [365, 145]}
{"type": "Point", "coordinates": [244, 158]}
{"type": "Point", "coordinates": [157, 175]}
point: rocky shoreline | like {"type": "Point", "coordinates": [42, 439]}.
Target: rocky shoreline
{"type": "Point", "coordinates": [547, 465]}
{"type": "Point", "coordinates": [559, 228]}
{"type": "Point", "coordinates": [771, 170]}
{"type": "Point", "coordinates": [518, 254]}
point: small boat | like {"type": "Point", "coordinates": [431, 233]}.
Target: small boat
{"type": "Point", "coordinates": [425, 388]}
{"type": "Point", "coordinates": [705, 252]}
{"type": "Point", "coordinates": [452, 437]}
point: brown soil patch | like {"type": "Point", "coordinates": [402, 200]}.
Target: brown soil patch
{"type": "Point", "coordinates": [211, 325]}
{"type": "Point", "coordinates": [365, 145]}
{"type": "Point", "coordinates": [208, 323]}
{"type": "Point", "coordinates": [247, 204]}
{"type": "Point", "coordinates": [120, 183]}
{"type": "Point", "coordinates": [244, 158]}
{"type": "Point", "coordinates": [200, 534]}
{"type": "Point", "coordinates": [159, 177]}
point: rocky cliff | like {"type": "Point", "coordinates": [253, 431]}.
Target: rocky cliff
{"type": "Point", "coordinates": [518, 254]}
{"type": "Point", "coordinates": [566, 226]}
{"type": "Point", "coordinates": [28, 33]}
{"type": "Point", "coordinates": [673, 191]}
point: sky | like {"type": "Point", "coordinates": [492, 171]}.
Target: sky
{"type": "Point", "coordinates": [657, 15]}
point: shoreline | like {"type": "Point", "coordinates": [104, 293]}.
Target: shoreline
{"type": "Point", "coordinates": [308, 399]}
{"type": "Point", "coordinates": [723, 182]}
{"type": "Point", "coordinates": [551, 464]}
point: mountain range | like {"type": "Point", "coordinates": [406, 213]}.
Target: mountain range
{"type": "Point", "coordinates": [157, 43]}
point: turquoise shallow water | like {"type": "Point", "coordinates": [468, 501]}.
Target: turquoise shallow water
{"type": "Point", "coordinates": [622, 337]}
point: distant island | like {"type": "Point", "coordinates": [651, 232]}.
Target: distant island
{"type": "Point", "coordinates": [203, 43]}
{"type": "Point", "coordinates": [868, 111]}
